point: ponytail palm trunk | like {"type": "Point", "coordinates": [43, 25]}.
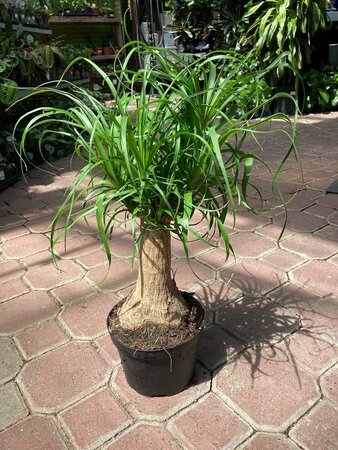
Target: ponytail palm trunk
{"type": "Point", "coordinates": [156, 298]}
{"type": "Point", "coordinates": [170, 151]}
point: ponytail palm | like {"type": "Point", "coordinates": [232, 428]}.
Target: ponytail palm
{"type": "Point", "coordinates": [171, 146]}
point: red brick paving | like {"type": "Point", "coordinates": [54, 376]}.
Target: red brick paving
{"type": "Point", "coordinates": [196, 427]}
{"type": "Point", "coordinates": [265, 441]}
{"type": "Point", "coordinates": [95, 420]}
{"type": "Point", "coordinates": [65, 375]}
{"type": "Point", "coordinates": [57, 358]}
{"type": "Point", "coordinates": [87, 319]}
{"type": "Point", "coordinates": [25, 245]}
{"type": "Point", "coordinates": [26, 310]}
{"type": "Point", "coordinates": [36, 340]}
{"type": "Point", "coordinates": [329, 385]}
{"type": "Point", "coordinates": [248, 385]}
{"type": "Point", "coordinates": [36, 432]}
{"type": "Point", "coordinates": [318, 430]}
{"type": "Point", "coordinates": [257, 321]}
{"type": "Point", "coordinates": [145, 437]}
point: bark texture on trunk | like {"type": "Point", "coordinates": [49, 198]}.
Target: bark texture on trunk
{"type": "Point", "coordinates": [156, 298]}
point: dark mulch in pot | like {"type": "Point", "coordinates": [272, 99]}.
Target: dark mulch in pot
{"type": "Point", "coordinates": [155, 337]}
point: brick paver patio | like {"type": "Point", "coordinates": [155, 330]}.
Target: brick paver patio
{"type": "Point", "coordinates": [267, 376]}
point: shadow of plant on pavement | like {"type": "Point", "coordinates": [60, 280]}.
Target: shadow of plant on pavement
{"type": "Point", "coordinates": [289, 324]}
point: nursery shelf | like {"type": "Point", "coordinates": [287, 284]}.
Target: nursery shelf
{"type": "Point", "coordinates": [79, 82]}
{"type": "Point", "coordinates": [332, 15]}
{"type": "Point", "coordinates": [102, 57]}
{"type": "Point", "coordinates": [83, 19]}
{"type": "Point", "coordinates": [28, 28]}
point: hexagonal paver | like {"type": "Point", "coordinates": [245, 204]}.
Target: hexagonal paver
{"type": "Point", "coordinates": [12, 406]}
{"type": "Point", "coordinates": [93, 259]}
{"type": "Point", "coordinates": [302, 222]}
{"type": "Point", "coordinates": [190, 278]}
{"type": "Point", "coordinates": [329, 385]}
{"type": "Point", "coordinates": [265, 441]}
{"type": "Point", "coordinates": [329, 200]}
{"type": "Point", "coordinates": [303, 199]}
{"type": "Point", "coordinates": [318, 430]}
{"type": "Point", "coordinates": [216, 294]}
{"type": "Point", "coordinates": [246, 221]}
{"type": "Point", "coordinates": [273, 232]}
{"type": "Point", "coordinates": [283, 259]}
{"type": "Point", "coordinates": [25, 245]}
{"type": "Point", "coordinates": [333, 218]}
{"type": "Point", "coordinates": [216, 347]}
{"type": "Point", "coordinates": [11, 289]}
{"type": "Point", "coordinates": [195, 427]}
{"type": "Point", "coordinates": [20, 312]}
{"type": "Point", "coordinates": [216, 258]}
{"type": "Point", "coordinates": [107, 350]}
{"type": "Point", "coordinates": [295, 298]}
{"type": "Point", "coordinates": [94, 420]}
{"type": "Point", "coordinates": [253, 277]}
{"type": "Point", "coordinates": [87, 319]}
{"type": "Point", "coordinates": [145, 437]}
{"type": "Point", "coordinates": [39, 259]}
{"type": "Point", "coordinates": [10, 270]}
{"type": "Point", "coordinates": [64, 376]}
{"type": "Point", "coordinates": [48, 276]}
{"type": "Point", "coordinates": [196, 247]}
{"type": "Point", "coordinates": [42, 224]}
{"type": "Point", "coordinates": [10, 360]}
{"type": "Point", "coordinates": [319, 210]}
{"type": "Point", "coordinates": [249, 385]}
{"type": "Point", "coordinates": [10, 220]}
{"type": "Point", "coordinates": [250, 245]}
{"type": "Point", "coordinates": [22, 205]}
{"type": "Point", "coordinates": [14, 232]}
{"type": "Point", "coordinates": [310, 350]}
{"type": "Point", "coordinates": [328, 232]}
{"type": "Point", "coordinates": [74, 291]}
{"type": "Point", "coordinates": [159, 408]}
{"type": "Point", "coordinates": [78, 246]}
{"type": "Point", "coordinates": [37, 340]}
{"type": "Point", "coordinates": [35, 432]}
{"type": "Point", "coordinates": [123, 246]}
{"type": "Point", "coordinates": [257, 321]}
{"type": "Point", "coordinates": [318, 276]}
{"type": "Point", "coordinates": [310, 246]}
{"type": "Point", "coordinates": [119, 275]}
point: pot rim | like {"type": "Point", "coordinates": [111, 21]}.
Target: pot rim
{"type": "Point", "coordinates": [164, 349]}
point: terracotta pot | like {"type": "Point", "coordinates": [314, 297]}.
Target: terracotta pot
{"type": "Point", "coordinates": [108, 50]}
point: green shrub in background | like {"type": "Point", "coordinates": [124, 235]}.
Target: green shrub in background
{"type": "Point", "coordinates": [271, 28]}
{"type": "Point", "coordinates": [27, 59]}
{"type": "Point", "coordinates": [320, 90]}
{"type": "Point", "coordinates": [277, 27]}
{"type": "Point", "coordinates": [220, 21]}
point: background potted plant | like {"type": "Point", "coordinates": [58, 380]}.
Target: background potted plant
{"type": "Point", "coordinates": [165, 157]}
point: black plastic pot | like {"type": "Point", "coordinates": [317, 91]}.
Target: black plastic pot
{"type": "Point", "coordinates": [156, 373]}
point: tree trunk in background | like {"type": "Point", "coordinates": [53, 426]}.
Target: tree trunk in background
{"type": "Point", "coordinates": [156, 298]}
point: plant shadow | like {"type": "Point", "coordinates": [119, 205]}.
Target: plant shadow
{"type": "Point", "coordinates": [289, 325]}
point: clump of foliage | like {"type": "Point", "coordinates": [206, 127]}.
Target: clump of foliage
{"type": "Point", "coordinates": [320, 90]}
{"type": "Point", "coordinates": [27, 59]}
{"type": "Point", "coordinates": [101, 6]}
{"type": "Point", "coordinates": [171, 147]}
{"type": "Point", "coordinates": [218, 22]}
{"type": "Point", "coordinates": [283, 27]}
